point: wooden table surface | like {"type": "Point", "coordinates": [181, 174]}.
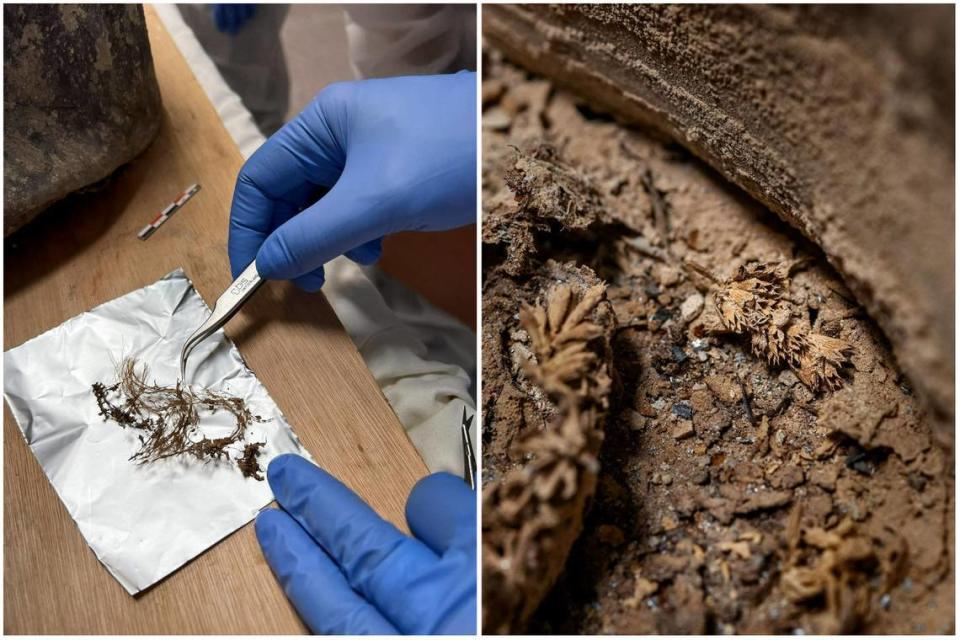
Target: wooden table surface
{"type": "Point", "coordinates": [85, 252]}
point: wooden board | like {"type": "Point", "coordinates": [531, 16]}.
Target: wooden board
{"type": "Point", "coordinates": [85, 252]}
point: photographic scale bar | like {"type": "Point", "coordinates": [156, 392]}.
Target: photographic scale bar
{"type": "Point", "coordinates": [168, 211]}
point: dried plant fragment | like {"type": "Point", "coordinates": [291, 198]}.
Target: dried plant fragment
{"type": "Point", "coordinates": [249, 466]}
{"type": "Point", "coordinates": [544, 194]}
{"type": "Point", "coordinates": [550, 190]}
{"type": "Point", "coordinates": [842, 569]}
{"type": "Point", "coordinates": [559, 334]}
{"type": "Point", "coordinates": [754, 303]}
{"type": "Point", "coordinates": [821, 362]}
{"type": "Point", "coordinates": [532, 515]}
{"type": "Point", "coordinates": [169, 419]}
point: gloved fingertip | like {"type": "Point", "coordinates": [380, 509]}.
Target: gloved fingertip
{"type": "Point", "coordinates": [266, 524]}
{"type": "Point", "coordinates": [311, 282]}
{"type": "Point", "coordinates": [441, 511]}
{"type": "Point", "coordinates": [266, 265]}
{"type": "Point", "coordinates": [278, 465]}
{"type": "Point", "coordinates": [436, 482]}
{"type": "Point", "coordinates": [274, 261]}
{"type": "Point", "coordinates": [290, 469]}
{"type": "Point", "coordinates": [367, 253]}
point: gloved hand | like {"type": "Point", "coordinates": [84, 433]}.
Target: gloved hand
{"type": "Point", "coordinates": [397, 154]}
{"type": "Point", "coordinates": [230, 18]}
{"type": "Point", "coordinates": [348, 571]}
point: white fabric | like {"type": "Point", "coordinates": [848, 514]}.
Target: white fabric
{"type": "Point", "coordinates": [427, 395]}
{"type": "Point", "coordinates": [411, 39]}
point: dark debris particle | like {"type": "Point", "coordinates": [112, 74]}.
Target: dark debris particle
{"type": "Point", "coordinates": [248, 463]}
{"type": "Point", "coordinates": [917, 481]}
{"type": "Point", "coordinates": [904, 386]}
{"type": "Point", "coordinates": [678, 354]}
{"type": "Point", "coordinates": [860, 462]}
{"type": "Point", "coordinates": [662, 315]}
{"type": "Point", "coordinates": [683, 410]}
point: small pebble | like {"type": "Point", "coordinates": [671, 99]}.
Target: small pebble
{"type": "Point", "coordinates": [787, 378]}
{"type": "Point", "coordinates": [668, 275]}
{"type": "Point", "coordinates": [691, 307]}
{"type": "Point", "coordinates": [859, 462]}
{"type": "Point", "coordinates": [700, 476]}
{"type": "Point", "coordinates": [683, 410]}
{"type": "Point", "coordinates": [661, 478]}
{"type": "Point", "coordinates": [683, 429]}
{"type": "Point", "coordinates": [917, 481]}
{"type": "Point", "coordinates": [496, 119]}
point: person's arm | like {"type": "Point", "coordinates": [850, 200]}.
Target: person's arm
{"type": "Point", "coordinates": [365, 159]}
{"type": "Point", "coordinates": [230, 18]}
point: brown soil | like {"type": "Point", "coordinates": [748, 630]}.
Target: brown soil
{"type": "Point", "coordinates": [770, 474]}
{"type": "Point", "coordinates": [838, 118]}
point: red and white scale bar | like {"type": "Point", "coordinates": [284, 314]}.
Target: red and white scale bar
{"type": "Point", "coordinates": [168, 211]}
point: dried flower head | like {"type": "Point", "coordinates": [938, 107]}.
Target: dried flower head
{"type": "Point", "coordinates": [754, 302]}
{"type": "Point", "coordinates": [532, 515]}
{"type": "Point", "coordinates": [560, 332]}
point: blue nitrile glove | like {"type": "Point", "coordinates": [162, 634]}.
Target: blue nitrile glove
{"type": "Point", "coordinates": [348, 571]}
{"type": "Point", "coordinates": [397, 154]}
{"type": "Point", "coordinates": [230, 18]}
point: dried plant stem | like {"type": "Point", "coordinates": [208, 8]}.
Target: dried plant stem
{"type": "Point", "coordinates": [169, 419]}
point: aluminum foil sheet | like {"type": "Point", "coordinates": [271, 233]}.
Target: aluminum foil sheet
{"type": "Point", "coordinates": [142, 521]}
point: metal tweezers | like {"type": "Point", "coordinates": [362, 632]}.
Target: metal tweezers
{"type": "Point", "coordinates": [469, 460]}
{"type": "Point", "coordinates": [227, 306]}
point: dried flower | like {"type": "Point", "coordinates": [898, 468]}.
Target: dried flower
{"type": "Point", "coordinates": [753, 302]}
{"type": "Point", "coordinates": [843, 568]}
{"type": "Point", "coordinates": [559, 334]}
{"type": "Point", "coordinates": [533, 513]}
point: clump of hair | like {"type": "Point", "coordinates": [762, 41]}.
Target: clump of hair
{"type": "Point", "coordinates": [168, 419]}
{"type": "Point", "coordinates": [753, 303]}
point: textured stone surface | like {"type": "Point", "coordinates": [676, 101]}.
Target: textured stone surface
{"type": "Point", "coordinates": [839, 119]}
{"type": "Point", "coordinates": [80, 98]}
